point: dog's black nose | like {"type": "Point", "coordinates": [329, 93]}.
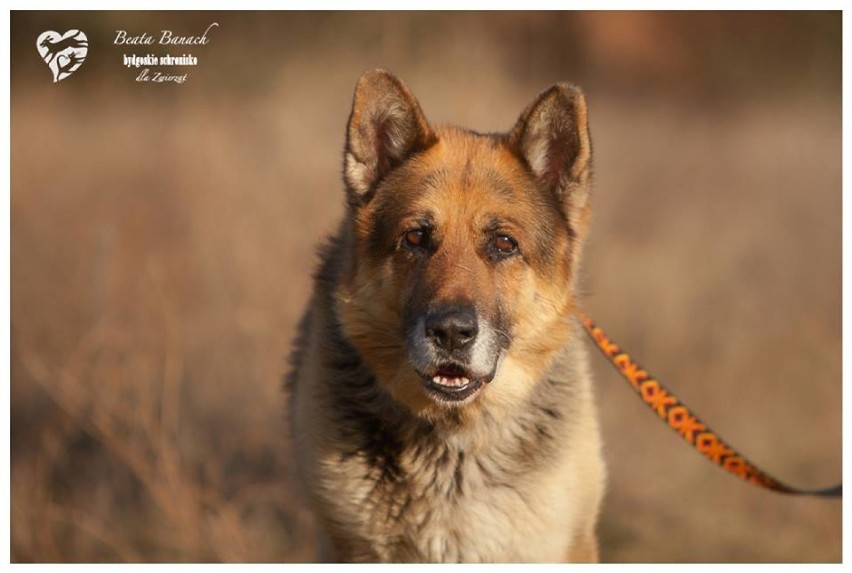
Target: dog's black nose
{"type": "Point", "coordinates": [452, 327]}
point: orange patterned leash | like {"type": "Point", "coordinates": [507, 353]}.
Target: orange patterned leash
{"type": "Point", "coordinates": [680, 419]}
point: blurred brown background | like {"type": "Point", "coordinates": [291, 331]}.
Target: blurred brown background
{"type": "Point", "coordinates": [163, 237]}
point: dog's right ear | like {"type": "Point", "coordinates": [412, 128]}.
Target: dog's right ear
{"type": "Point", "coordinates": [386, 127]}
{"type": "Point", "coordinates": [552, 136]}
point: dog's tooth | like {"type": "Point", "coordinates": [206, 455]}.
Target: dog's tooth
{"type": "Point", "coordinates": [451, 381]}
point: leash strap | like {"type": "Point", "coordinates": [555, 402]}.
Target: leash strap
{"type": "Point", "coordinates": [687, 425]}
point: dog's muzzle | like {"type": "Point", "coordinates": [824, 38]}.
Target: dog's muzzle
{"type": "Point", "coordinates": [454, 351]}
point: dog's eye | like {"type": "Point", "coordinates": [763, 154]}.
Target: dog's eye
{"type": "Point", "coordinates": [415, 238]}
{"type": "Point", "coordinates": [504, 244]}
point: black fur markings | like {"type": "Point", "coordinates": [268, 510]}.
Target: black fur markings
{"type": "Point", "coordinates": [458, 475]}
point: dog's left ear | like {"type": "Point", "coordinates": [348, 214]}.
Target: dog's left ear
{"type": "Point", "coordinates": [386, 127]}
{"type": "Point", "coordinates": [552, 137]}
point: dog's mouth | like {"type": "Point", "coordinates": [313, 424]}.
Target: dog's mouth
{"type": "Point", "coordinates": [452, 383]}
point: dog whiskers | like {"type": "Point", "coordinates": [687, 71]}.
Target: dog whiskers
{"type": "Point", "coordinates": [503, 334]}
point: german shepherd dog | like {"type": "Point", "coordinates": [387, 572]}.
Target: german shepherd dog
{"type": "Point", "coordinates": [440, 399]}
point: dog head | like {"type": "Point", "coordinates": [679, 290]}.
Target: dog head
{"type": "Point", "coordinates": [464, 246]}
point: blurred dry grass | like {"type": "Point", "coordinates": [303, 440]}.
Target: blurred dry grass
{"type": "Point", "coordinates": [163, 236]}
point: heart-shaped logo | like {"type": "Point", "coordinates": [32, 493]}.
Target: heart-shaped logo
{"type": "Point", "coordinates": [63, 53]}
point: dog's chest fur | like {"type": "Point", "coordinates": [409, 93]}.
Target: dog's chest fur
{"type": "Point", "coordinates": [439, 502]}
{"type": "Point", "coordinates": [395, 488]}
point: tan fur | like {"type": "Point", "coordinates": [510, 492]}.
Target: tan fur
{"type": "Point", "coordinates": [516, 474]}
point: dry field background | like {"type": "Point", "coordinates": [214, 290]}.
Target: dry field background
{"type": "Point", "coordinates": [163, 236]}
